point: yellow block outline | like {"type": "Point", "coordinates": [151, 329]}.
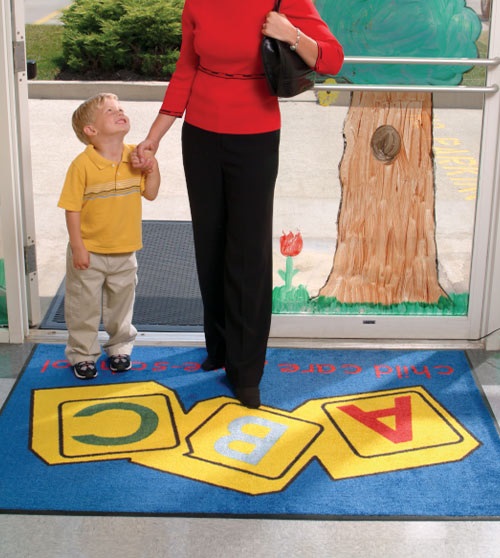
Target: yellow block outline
{"type": "Point", "coordinates": [328, 446]}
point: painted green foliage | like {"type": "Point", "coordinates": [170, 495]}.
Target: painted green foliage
{"type": "Point", "coordinates": [403, 28]}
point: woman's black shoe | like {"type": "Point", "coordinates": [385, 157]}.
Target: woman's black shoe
{"type": "Point", "coordinates": [249, 396]}
{"type": "Point", "coordinates": [208, 364]}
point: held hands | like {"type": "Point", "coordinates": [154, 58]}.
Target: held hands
{"type": "Point", "coordinates": [143, 158]}
{"type": "Point", "coordinates": [277, 26]}
{"type": "Point", "coordinates": [150, 169]}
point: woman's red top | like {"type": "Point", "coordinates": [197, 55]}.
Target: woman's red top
{"type": "Point", "coordinates": [219, 79]}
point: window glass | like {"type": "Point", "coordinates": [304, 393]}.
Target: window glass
{"type": "Point", "coordinates": [376, 195]}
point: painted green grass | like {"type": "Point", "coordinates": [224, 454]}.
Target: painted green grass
{"type": "Point", "coordinates": [297, 301]}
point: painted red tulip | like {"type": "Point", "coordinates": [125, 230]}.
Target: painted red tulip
{"type": "Point", "coordinates": [291, 244]}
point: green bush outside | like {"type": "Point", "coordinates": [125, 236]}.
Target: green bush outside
{"type": "Point", "coordinates": [142, 37]}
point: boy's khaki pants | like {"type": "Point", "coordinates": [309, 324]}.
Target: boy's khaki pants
{"type": "Point", "coordinates": [109, 283]}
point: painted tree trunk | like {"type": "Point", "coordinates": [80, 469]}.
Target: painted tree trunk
{"type": "Point", "coordinates": [386, 248]}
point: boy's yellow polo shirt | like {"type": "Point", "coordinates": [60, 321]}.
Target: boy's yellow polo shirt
{"type": "Point", "coordinates": [109, 197]}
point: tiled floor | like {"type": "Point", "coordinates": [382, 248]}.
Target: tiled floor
{"type": "Point", "coordinates": [26, 536]}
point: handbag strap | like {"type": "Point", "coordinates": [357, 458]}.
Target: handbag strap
{"type": "Point", "coordinates": [277, 6]}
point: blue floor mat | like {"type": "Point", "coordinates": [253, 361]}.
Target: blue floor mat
{"type": "Point", "coordinates": [341, 434]}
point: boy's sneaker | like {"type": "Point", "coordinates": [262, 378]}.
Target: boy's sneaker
{"type": "Point", "coordinates": [85, 370]}
{"type": "Point", "coordinates": [119, 363]}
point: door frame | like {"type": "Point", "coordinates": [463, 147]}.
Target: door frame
{"type": "Point", "coordinates": [17, 223]}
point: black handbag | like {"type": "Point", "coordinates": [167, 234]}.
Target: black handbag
{"type": "Point", "coordinates": [286, 73]}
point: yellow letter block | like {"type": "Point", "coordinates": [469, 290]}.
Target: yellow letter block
{"type": "Point", "coordinates": [103, 422]}
{"type": "Point", "coordinates": [252, 451]}
{"type": "Point", "coordinates": [389, 431]}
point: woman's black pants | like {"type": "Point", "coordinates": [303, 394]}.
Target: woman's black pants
{"type": "Point", "coordinates": [230, 181]}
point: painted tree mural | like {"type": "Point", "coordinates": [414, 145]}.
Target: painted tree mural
{"type": "Point", "coordinates": [386, 249]}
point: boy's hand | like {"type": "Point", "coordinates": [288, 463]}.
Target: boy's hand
{"type": "Point", "coordinates": [81, 258]}
{"type": "Point", "coordinates": [135, 160]}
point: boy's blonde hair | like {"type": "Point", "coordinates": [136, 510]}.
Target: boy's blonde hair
{"type": "Point", "coordinates": [85, 114]}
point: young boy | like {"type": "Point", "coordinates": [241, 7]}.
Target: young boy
{"type": "Point", "coordinates": [102, 199]}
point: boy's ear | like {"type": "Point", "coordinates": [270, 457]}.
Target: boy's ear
{"type": "Point", "coordinates": [89, 130]}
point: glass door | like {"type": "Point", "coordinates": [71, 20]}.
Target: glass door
{"type": "Point", "coordinates": [384, 199]}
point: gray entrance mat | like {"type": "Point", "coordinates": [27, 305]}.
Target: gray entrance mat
{"type": "Point", "coordinates": [167, 295]}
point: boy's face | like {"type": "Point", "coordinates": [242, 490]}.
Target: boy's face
{"type": "Point", "coordinates": [109, 119]}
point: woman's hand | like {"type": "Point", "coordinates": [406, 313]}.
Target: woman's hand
{"type": "Point", "coordinates": [277, 26]}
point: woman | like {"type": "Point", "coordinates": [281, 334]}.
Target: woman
{"type": "Point", "coordinates": [230, 142]}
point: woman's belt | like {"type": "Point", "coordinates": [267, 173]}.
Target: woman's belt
{"type": "Point", "coordinates": [225, 75]}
